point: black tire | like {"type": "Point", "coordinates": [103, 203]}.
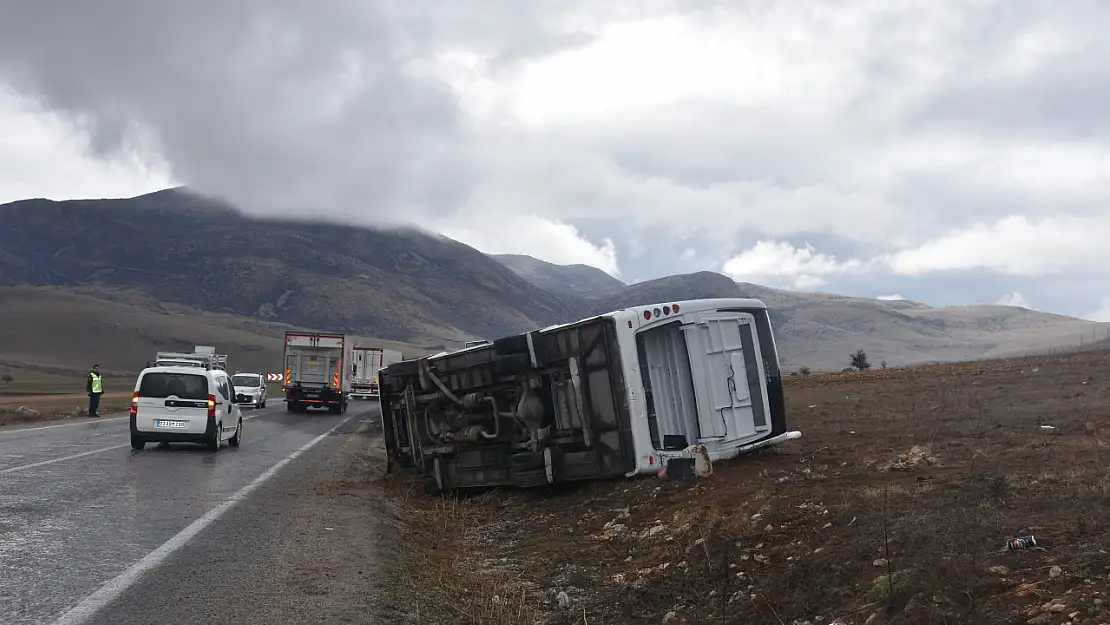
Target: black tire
{"type": "Point", "coordinates": [137, 443]}
{"type": "Point", "coordinates": [238, 438]}
{"type": "Point", "coordinates": [337, 409]}
{"type": "Point", "coordinates": [288, 406]}
{"type": "Point", "coordinates": [213, 442]}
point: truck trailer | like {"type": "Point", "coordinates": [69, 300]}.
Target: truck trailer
{"type": "Point", "coordinates": [317, 371]}
{"type": "Point", "coordinates": [617, 394]}
{"type": "Point", "coordinates": [365, 364]}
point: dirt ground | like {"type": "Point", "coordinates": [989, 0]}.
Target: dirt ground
{"type": "Point", "coordinates": [895, 506]}
{"type": "Point", "coordinates": [53, 407]}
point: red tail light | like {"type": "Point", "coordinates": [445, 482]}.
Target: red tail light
{"type": "Point", "coordinates": [212, 406]}
{"type": "Point", "coordinates": [134, 404]}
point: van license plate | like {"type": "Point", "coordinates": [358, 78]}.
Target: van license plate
{"type": "Point", "coordinates": [311, 396]}
{"type": "Point", "coordinates": [173, 425]}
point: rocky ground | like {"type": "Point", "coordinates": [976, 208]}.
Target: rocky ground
{"type": "Point", "coordinates": [895, 507]}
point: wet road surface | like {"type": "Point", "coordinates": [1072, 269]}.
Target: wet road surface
{"type": "Point", "coordinates": [92, 531]}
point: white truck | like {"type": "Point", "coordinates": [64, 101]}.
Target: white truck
{"type": "Point", "coordinates": [364, 372]}
{"type": "Point", "coordinates": [317, 373]}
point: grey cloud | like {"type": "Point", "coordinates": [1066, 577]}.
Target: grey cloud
{"type": "Point", "coordinates": [1063, 98]}
{"type": "Point", "coordinates": [1063, 101]}
{"type": "Point", "coordinates": [283, 106]}
{"type": "Point", "coordinates": [704, 144]}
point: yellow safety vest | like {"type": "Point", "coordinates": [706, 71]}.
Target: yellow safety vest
{"type": "Point", "coordinates": [97, 385]}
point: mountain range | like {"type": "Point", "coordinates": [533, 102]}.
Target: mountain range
{"type": "Point", "coordinates": [177, 265]}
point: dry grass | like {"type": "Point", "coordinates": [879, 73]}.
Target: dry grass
{"type": "Point", "coordinates": [441, 572]}
{"type": "Point", "coordinates": [55, 395]}
{"type": "Point", "coordinates": [27, 381]}
{"type": "Point", "coordinates": [894, 507]}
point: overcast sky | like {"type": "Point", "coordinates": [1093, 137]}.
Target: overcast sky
{"type": "Point", "coordinates": [948, 151]}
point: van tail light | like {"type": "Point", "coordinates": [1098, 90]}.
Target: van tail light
{"type": "Point", "coordinates": [212, 406]}
{"type": "Point", "coordinates": [134, 404]}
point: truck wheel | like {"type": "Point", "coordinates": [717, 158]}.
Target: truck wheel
{"type": "Point", "coordinates": [288, 406]}
{"type": "Point", "coordinates": [335, 409]}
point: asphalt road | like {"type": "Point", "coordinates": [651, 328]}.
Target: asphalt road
{"type": "Point", "coordinates": [94, 532]}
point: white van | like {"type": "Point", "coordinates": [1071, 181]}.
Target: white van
{"type": "Point", "coordinates": [185, 404]}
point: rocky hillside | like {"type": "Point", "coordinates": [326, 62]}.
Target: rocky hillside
{"type": "Point", "coordinates": [174, 246]}
{"type": "Point", "coordinates": [196, 255]}
{"type": "Point", "coordinates": [820, 330]}
{"type": "Point", "coordinates": [684, 286]}
{"type": "Point", "coordinates": [574, 280]}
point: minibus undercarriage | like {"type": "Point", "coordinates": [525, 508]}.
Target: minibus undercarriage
{"type": "Point", "coordinates": [537, 408]}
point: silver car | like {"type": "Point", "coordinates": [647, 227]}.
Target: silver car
{"type": "Point", "coordinates": [250, 389]}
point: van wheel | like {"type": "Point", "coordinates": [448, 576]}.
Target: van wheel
{"type": "Point", "coordinates": [214, 441]}
{"type": "Point", "coordinates": [238, 438]}
{"type": "Point", "coordinates": [137, 443]}
{"type": "Point", "coordinates": [288, 407]}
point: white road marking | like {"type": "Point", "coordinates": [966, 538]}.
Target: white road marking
{"type": "Point", "coordinates": [117, 586]}
{"type": "Point", "coordinates": [62, 459]}
{"type": "Point", "coordinates": [43, 463]}
{"type": "Point", "coordinates": [63, 425]}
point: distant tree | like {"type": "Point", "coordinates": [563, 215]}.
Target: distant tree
{"type": "Point", "coordinates": [804, 371]}
{"type": "Point", "coordinates": [883, 364]}
{"type": "Point", "coordinates": [859, 360]}
{"type": "Point", "coordinates": [7, 378]}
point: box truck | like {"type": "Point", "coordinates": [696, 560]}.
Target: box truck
{"type": "Point", "coordinates": [317, 371]}
{"type": "Point", "coordinates": [364, 370]}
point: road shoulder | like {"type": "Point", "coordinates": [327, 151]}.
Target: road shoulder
{"type": "Point", "coordinates": [334, 564]}
{"type": "Point", "coordinates": [328, 570]}
{"type": "Point", "coordinates": [304, 548]}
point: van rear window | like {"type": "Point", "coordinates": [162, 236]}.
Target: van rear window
{"type": "Point", "coordinates": [183, 385]}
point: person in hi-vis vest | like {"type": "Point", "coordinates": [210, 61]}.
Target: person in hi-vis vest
{"type": "Point", "coordinates": [95, 387]}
